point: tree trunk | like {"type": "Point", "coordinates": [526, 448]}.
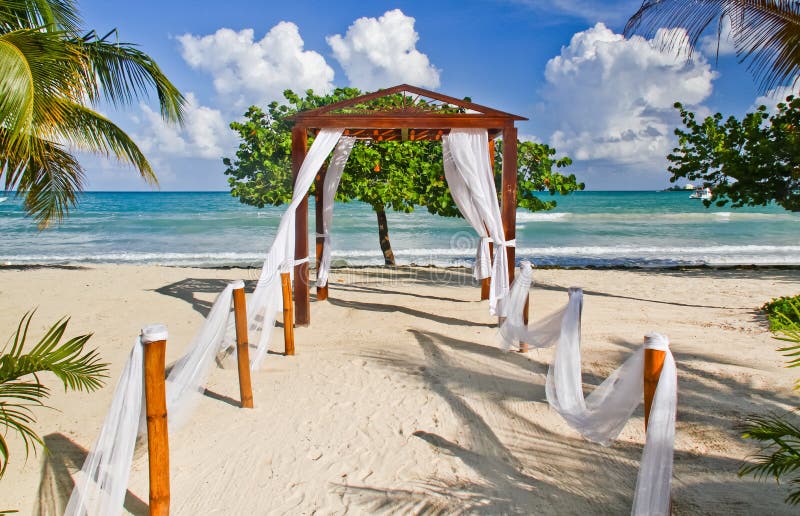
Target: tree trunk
{"type": "Point", "coordinates": [383, 237]}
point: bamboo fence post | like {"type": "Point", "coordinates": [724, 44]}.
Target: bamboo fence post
{"type": "Point", "coordinates": [154, 340]}
{"type": "Point", "coordinates": [653, 363]}
{"type": "Point", "coordinates": [288, 314]}
{"type": "Point", "coordinates": [242, 345]}
{"type": "Point", "coordinates": [523, 346]}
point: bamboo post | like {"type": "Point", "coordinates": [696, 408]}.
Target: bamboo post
{"type": "Point", "coordinates": [486, 283]}
{"type": "Point", "coordinates": [242, 345]}
{"type": "Point", "coordinates": [653, 363]}
{"type": "Point", "coordinates": [523, 346]}
{"type": "Point", "coordinates": [288, 314]}
{"type": "Point", "coordinates": [154, 340]}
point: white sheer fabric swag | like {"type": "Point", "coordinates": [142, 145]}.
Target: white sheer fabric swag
{"type": "Point", "coordinates": [332, 177]}
{"type": "Point", "coordinates": [655, 472]}
{"type": "Point", "coordinates": [544, 334]}
{"type": "Point", "coordinates": [188, 377]}
{"type": "Point", "coordinates": [266, 301]}
{"type": "Point", "coordinates": [469, 151]}
{"type": "Point", "coordinates": [101, 484]}
{"type": "Point", "coordinates": [601, 416]}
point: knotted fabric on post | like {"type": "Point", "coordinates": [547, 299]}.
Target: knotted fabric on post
{"type": "Point", "coordinates": [474, 187]}
{"type": "Point", "coordinates": [601, 416]}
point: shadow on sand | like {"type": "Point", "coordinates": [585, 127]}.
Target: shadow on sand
{"type": "Point", "coordinates": [512, 455]}
{"type": "Point", "coordinates": [62, 459]}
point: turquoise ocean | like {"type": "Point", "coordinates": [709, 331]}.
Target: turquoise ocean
{"type": "Point", "coordinates": [600, 229]}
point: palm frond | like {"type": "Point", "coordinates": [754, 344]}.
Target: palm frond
{"type": "Point", "coordinates": [780, 454]}
{"type": "Point", "coordinates": [16, 400]}
{"type": "Point", "coordinates": [789, 331]}
{"type": "Point", "coordinates": [693, 16]}
{"type": "Point", "coordinates": [48, 177]}
{"type": "Point", "coordinates": [77, 369]}
{"type": "Point", "coordinates": [121, 74]}
{"type": "Point", "coordinates": [766, 33]}
{"type": "Point", "coordinates": [50, 14]}
{"type": "Point", "coordinates": [88, 130]}
{"type": "Point", "coordinates": [34, 70]}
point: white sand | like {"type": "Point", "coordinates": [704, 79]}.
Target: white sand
{"type": "Point", "coordinates": [399, 400]}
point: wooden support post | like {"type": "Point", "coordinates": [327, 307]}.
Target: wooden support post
{"type": "Point", "coordinates": [288, 315]}
{"type": "Point", "coordinates": [154, 340]}
{"type": "Point", "coordinates": [302, 299]}
{"type": "Point", "coordinates": [322, 292]}
{"type": "Point", "coordinates": [653, 363]}
{"type": "Point", "coordinates": [242, 345]}
{"type": "Point", "coordinates": [486, 282]}
{"type": "Point", "coordinates": [509, 194]}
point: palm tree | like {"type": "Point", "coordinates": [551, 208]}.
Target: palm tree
{"type": "Point", "coordinates": [21, 388]}
{"type": "Point", "coordinates": [52, 75]}
{"type": "Point", "coordinates": [766, 33]}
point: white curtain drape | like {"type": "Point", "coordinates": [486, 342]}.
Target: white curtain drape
{"type": "Point", "coordinates": [101, 484]}
{"type": "Point", "coordinates": [469, 151]}
{"type": "Point", "coordinates": [464, 200]}
{"type": "Point", "coordinates": [330, 185]}
{"type": "Point", "coordinates": [188, 377]}
{"type": "Point", "coordinates": [266, 301]}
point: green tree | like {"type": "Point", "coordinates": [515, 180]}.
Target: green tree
{"type": "Point", "coordinates": [52, 75]}
{"type": "Point", "coordinates": [20, 385]}
{"type": "Point", "coordinates": [765, 33]}
{"type": "Point", "coordinates": [386, 175]}
{"type": "Point", "coordinates": [753, 161]}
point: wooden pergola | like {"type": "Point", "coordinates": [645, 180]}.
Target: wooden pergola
{"type": "Point", "coordinates": [400, 113]}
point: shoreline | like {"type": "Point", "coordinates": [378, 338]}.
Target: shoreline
{"type": "Point", "coordinates": [655, 268]}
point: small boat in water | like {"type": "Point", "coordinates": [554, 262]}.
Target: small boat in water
{"type": "Point", "coordinates": [701, 193]}
{"type": "Point", "coordinates": [3, 199]}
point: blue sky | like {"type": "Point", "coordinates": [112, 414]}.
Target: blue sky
{"type": "Point", "coordinates": [603, 100]}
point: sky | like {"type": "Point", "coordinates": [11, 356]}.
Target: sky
{"type": "Point", "coordinates": [604, 100]}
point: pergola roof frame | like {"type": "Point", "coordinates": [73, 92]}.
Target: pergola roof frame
{"type": "Point", "coordinates": [398, 123]}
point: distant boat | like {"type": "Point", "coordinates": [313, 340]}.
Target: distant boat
{"type": "Point", "coordinates": [701, 193]}
{"type": "Point", "coordinates": [3, 199]}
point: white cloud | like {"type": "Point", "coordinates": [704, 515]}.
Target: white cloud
{"type": "Point", "coordinates": [248, 72]}
{"type": "Point", "coordinates": [611, 98]}
{"type": "Point", "coordinates": [205, 133]}
{"type": "Point", "coordinates": [775, 96]}
{"type": "Point", "coordinates": [381, 52]}
{"type": "Point", "coordinates": [712, 46]}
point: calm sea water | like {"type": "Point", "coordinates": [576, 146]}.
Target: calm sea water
{"type": "Point", "coordinates": [646, 229]}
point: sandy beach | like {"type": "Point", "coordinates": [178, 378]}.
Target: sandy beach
{"type": "Point", "coordinates": [399, 399]}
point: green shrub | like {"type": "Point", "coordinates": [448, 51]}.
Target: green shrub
{"type": "Point", "coordinates": [782, 312]}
